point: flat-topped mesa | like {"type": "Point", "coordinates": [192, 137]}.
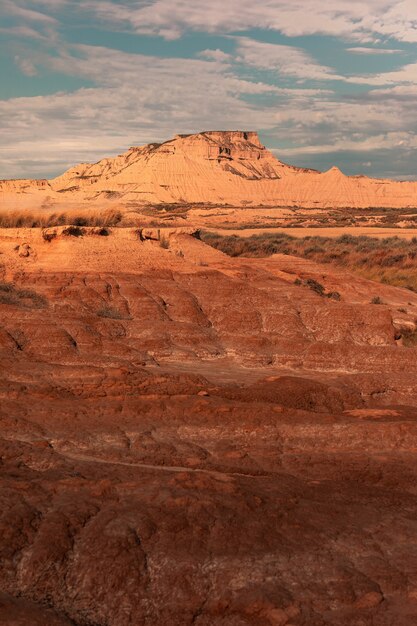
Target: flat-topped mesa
{"type": "Point", "coordinates": [222, 167]}
{"type": "Point", "coordinates": [229, 137]}
{"type": "Point", "coordinates": [222, 145]}
{"type": "Point", "coordinates": [211, 145]}
{"type": "Point", "coordinates": [184, 166]}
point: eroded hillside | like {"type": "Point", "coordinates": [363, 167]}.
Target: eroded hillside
{"type": "Point", "coordinates": [214, 168]}
{"type": "Point", "coordinates": [188, 438]}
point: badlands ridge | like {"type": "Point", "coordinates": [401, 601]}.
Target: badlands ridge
{"type": "Point", "coordinates": [193, 439]}
{"type": "Point", "coordinates": [213, 167]}
{"type": "Point", "coordinates": [189, 439]}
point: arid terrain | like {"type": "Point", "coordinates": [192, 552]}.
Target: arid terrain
{"type": "Point", "coordinates": [202, 429]}
{"type": "Point", "coordinates": [390, 260]}
{"type": "Point", "coordinates": [214, 169]}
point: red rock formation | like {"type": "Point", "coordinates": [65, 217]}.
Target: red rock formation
{"type": "Point", "coordinates": [192, 439]}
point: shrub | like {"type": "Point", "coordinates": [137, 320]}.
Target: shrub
{"type": "Point", "coordinates": [73, 231]}
{"type": "Point", "coordinates": [111, 313]}
{"type": "Point", "coordinates": [315, 286]}
{"type": "Point", "coordinates": [6, 287]}
{"type": "Point", "coordinates": [334, 295]}
{"type": "Point", "coordinates": [23, 298]}
{"type": "Point", "coordinates": [409, 336]}
{"type": "Point", "coordinates": [392, 260]}
{"type": "Point", "coordinates": [313, 250]}
{"type": "Point", "coordinates": [102, 232]}
{"type": "Point", "coordinates": [346, 239]}
{"type": "Point", "coordinates": [376, 300]}
{"type": "Point", "coordinates": [80, 221]}
{"type": "Point", "coordinates": [45, 219]}
{"type": "Point", "coordinates": [48, 236]}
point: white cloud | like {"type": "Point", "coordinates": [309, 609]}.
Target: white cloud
{"type": "Point", "coordinates": [26, 13]}
{"type": "Point", "coordinates": [24, 32]}
{"type": "Point", "coordinates": [137, 99]}
{"type": "Point", "coordinates": [352, 19]}
{"type": "Point", "coordinates": [216, 55]}
{"type": "Point", "coordinates": [383, 141]}
{"type": "Point", "coordinates": [26, 66]}
{"type": "Point", "coordinates": [374, 51]}
{"type": "Point", "coordinates": [405, 75]}
{"type": "Point", "coordinates": [286, 60]}
{"type": "Point", "coordinates": [360, 20]}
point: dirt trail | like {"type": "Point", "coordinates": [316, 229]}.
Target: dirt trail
{"type": "Point", "coordinates": [75, 456]}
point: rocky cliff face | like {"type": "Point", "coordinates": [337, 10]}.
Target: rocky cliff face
{"type": "Point", "coordinates": [216, 167]}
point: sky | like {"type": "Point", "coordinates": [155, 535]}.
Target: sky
{"type": "Point", "coordinates": [324, 83]}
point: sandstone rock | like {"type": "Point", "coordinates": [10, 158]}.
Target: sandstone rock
{"type": "Point", "coordinates": [201, 444]}
{"type": "Point", "coordinates": [212, 167]}
{"type": "Point", "coordinates": [369, 600]}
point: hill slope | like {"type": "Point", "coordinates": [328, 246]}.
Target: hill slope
{"type": "Point", "coordinates": [189, 439]}
{"type": "Point", "coordinates": [214, 167]}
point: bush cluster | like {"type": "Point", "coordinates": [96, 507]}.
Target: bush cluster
{"type": "Point", "coordinates": [23, 298]}
{"type": "Point", "coordinates": [390, 260]}
{"type": "Point", "coordinates": [46, 219]}
{"type": "Point", "coordinates": [111, 313]}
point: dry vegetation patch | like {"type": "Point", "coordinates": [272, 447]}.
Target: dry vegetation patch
{"type": "Point", "coordinates": [112, 313]}
{"type": "Point", "coordinates": [46, 219]}
{"type": "Point", "coordinates": [392, 260]}
{"type": "Point", "coordinates": [23, 298]}
{"type": "Point", "coordinates": [409, 336]}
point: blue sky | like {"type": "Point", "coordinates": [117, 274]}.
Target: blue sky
{"type": "Point", "coordinates": [323, 83]}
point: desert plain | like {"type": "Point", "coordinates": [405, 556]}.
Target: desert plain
{"type": "Point", "coordinates": [199, 426]}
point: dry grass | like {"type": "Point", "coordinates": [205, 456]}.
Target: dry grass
{"type": "Point", "coordinates": [22, 298]}
{"type": "Point", "coordinates": [43, 219]}
{"type": "Point", "coordinates": [164, 243]}
{"type": "Point", "coordinates": [392, 260]}
{"type": "Point", "coordinates": [111, 313]}
{"type": "Point", "coordinates": [409, 337]}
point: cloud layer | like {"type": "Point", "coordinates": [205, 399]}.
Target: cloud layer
{"type": "Point", "coordinates": [362, 20]}
{"type": "Point", "coordinates": [308, 104]}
